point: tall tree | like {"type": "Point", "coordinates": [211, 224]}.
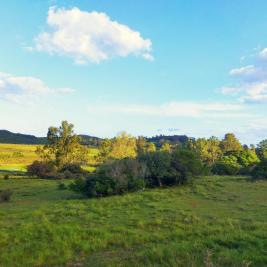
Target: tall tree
{"type": "Point", "coordinates": [230, 143]}
{"type": "Point", "coordinates": [64, 146]}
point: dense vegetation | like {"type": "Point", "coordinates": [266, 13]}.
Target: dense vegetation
{"type": "Point", "coordinates": [127, 164]}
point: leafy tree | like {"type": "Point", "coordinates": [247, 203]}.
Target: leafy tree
{"type": "Point", "coordinates": [166, 147]}
{"type": "Point", "coordinates": [227, 165]}
{"type": "Point", "coordinates": [262, 149]}
{"type": "Point", "coordinates": [143, 146]}
{"type": "Point", "coordinates": [104, 150]}
{"type": "Point", "coordinates": [208, 150]}
{"type": "Point", "coordinates": [230, 143]}
{"type": "Point", "coordinates": [64, 146]}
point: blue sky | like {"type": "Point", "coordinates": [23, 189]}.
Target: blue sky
{"type": "Point", "coordinates": [147, 67]}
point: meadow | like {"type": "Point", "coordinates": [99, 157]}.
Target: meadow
{"type": "Point", "coordinates": [16, 157]}
{"type": "Point", "coordinates": [214, 221]}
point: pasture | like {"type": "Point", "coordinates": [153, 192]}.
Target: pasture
{"type": "Point", "coordinates": [15, 157]}
{"type": "Point", "coordinates": [215, 221]}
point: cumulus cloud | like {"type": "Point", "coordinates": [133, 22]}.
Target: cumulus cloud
{"type": "Point", "coordinates": [90, 37]}
{"type": "Point", "coordinates": [21, 88]}
{"type": "Point", "coordinates": [173, 109]}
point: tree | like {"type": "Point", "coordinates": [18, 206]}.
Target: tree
{"type": "Point", "coordinates": [123, 146]}
{"type": "Point", "coordinates": [262, 149]}
{"type": "Point", "coordinates": [143, 146]}
{"type": "Point", "coordinates": [64, 146]}
{"type": "Point", "coordinates": [165, 147]}
{"type": "Point", "coordinates": [230, 143]}
{"type": "Point", "coordinates": [208, 150]}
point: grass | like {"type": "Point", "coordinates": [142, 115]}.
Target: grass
{"type": "Point", "coordinates": [216, 221]}
{"type": "Point", "coordinates": [14, 157]}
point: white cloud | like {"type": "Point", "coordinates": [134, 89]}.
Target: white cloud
{"type": "Point", "coordinates": [263, 53]}
{"type": "Point", "coordinates": [173, 109]}
{"type": "Point", "coordinates": [21, 88]}
{"type": "Point", "coordinates": [252, 81]}
{"type": "Point", "coordinates": [90, 37]}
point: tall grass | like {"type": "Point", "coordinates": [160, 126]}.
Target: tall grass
{"type": "Point", "coordinates": [217, 221]}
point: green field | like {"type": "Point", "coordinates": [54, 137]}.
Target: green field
{"type": "Point", "coordinates": [216, 221]}
{"type": "Point", "coordinates": [14, 157]}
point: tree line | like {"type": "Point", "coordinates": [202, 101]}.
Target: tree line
{"type": "Point", "coordinates": [126, 163]}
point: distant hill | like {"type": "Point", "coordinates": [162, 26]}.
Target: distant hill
{"type": "Point", "coordinates": [7, 137]}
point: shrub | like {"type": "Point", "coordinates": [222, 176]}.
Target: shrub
{"type": "Point", "coordinates": [73, 168]}
{"type": "Point", "coordinates": [260, 171]}
{"type": "Point", "coordinates": [6, 176]}
{"type": "Point", "coordinates": [5, 195]}
{"type": "Point", "coordinates": [227, 165]}
{"type": "Point", "coordinates": [42, 169]}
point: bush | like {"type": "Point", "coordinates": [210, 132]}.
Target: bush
{"type": "Point", "coordinates": [5, 195]}
{"type": "Point", "coordinates": [6, 176]}
{"type": "Point", "coordinates": [227, 165]}
{"type": "Point", "coordinates": [260, 171]}
{"type": "Point", "coordinates": [151, 169]}
{"type": "Point", "coordinates": [72, 168]}
{"type": "Point", "coordinates": [42, 169]}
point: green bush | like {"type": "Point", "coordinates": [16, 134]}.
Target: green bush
{"type": "Point", "coordinates": [5, 195]}
{"type": "Point", "coordinates": [73, 168]}
{"type": "Point", "coordinates": [6, 176]}
{"type": "Point", "coordinates": [227, 165]}
{"type": "Point", "coordinates": [42, 169]}
{"type": "Point", "coordinates": [151, 169]}
{"type": "Point", "coordinates": [260, 171]}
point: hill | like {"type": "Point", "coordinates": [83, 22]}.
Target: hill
{"type": "Point", "coordinates": [7, 137]}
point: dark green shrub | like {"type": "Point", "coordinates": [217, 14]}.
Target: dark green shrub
{"type": "Point", "coordinates": [42, 169]}
{"type": "Point", "coordinates": [260, 171]}
{"type": "Point", "coordinates": [6, 176]}
{"type": "Point", "coordinates": [5, 195]}
{"type": "Point", "coordinates": [186, 165]}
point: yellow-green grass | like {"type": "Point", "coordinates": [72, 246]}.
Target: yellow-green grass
{"type": "Point", "coordinates": [14, 157]}
{"type": "Point", "coordinates": [216, 221]}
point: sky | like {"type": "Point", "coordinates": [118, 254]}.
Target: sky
{"type": "Point", "coordinates": [146, 67]}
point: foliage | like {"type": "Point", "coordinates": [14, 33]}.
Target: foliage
{"type": "Point", "coordinates": [262, 149]}
{"type": "Point", "coordinates": [230, 143]}
{"type": "Point", "coordinates": [120, 147]}
{"type": "Point", "coordinates": [260, 171]}
{"type": "Point", "coordinates": [64, 146]}
{"type": "Point", "coordinates": [42, 169]}
{"type": "Point", "coordinates": [208, 150]}
{"type": "Point", "coordinates": [156, 169]}
{"type": "Point", "coordinates": [6, 176]}
{"type": "Point", "coordinates": [227, 165]}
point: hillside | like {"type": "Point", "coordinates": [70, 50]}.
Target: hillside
{"type": "Point", "coordinates": [217, 221]}
{"type": "Point", "coordinates": [7, 137]}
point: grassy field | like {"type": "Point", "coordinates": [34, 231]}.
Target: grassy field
{"type": "Point", "coordinates": [216, 221]}
{"type": "Point", "coordinates": [15, 157]}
